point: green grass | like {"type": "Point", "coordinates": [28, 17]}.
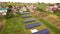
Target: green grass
{"type": "Point", "coordinates": [13, 26]}
{"type": "Point", "coordinates": [41, 7]}
{"type": "Point", "coordinates": [57, 13]}
{"type": "Point", "coordinates": [57, 31]}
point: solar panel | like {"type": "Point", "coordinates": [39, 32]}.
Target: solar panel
{"type": "Point", "coordinates": [44, 31]}
{"type": "Point", "coordinates": [29, 20]}
{"type": "Point", "coordinates": [29, 26]}
{"type": "Point", "coordinates": [32, 25]}
{"type": "Point", "coordinates": [36, 24]}
{"type": "Point", "coordinates": [36, 33]}
{"type": "Point", "coordinates": [25, 13]}
{"type": "Point", "coordinates": [26, 16]}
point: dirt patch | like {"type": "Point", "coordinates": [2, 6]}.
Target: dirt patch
{"type": "Point", "coordinates": [53, 16]}
{"type": "Point", "coordinates": [1, 27]}
{"type": "Point", "coordinates": [2, 22]}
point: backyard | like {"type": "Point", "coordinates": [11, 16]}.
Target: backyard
{"type": "Point", "coordinates": [16, 24]}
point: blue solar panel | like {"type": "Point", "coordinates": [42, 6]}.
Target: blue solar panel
{"type": "Point", "coordinates": [36, 24]}
{"type": "Point", "coordinates": [29, 20]}
{"type": "Point", "coordinates": [25, 13]}
{"type": "Point", "coordinates": [29, 26]}
{"type": "Point", "coordinates": [26, 16]}
{"type": "Point", "coordinates": [36, 33]}
{"type": "Point", "coordinates": [44, 31]}
{"type": "Point", "coordinates": [32, 25]}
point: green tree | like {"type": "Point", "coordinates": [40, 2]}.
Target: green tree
{"type": "Point", "coordinates": [9, 13]}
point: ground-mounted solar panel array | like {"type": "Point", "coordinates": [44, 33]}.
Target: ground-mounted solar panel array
{"type": "Point", "coordinates": [30, 22]}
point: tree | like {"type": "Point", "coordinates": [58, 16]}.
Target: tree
{"type": "Point", "coordinates": [9, 13]}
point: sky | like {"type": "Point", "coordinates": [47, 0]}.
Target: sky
{"type": "Point", "coordinates": [32, 1]}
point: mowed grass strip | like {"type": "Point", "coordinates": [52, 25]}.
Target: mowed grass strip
{"type": "Point", "coordinates": [57, 31]}
{"type": "Point", "coordinates": [13, 26]}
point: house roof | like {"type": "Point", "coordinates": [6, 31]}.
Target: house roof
{"type": "Point", "coordinates": [3, 9]}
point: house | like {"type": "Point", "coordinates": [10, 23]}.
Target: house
{"type": "Point", "coordinates": [3, 11]}
{"type": "Point", "coordinates": [31, 8]}
{"type": "Point", "coordinates": [55, 7]}
{"type": "Point", "coordinates": [49, 9]}
{"type": "Point", "coordinates": [23, 9]}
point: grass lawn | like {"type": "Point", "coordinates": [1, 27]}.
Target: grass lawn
{"type": "Point", "coordinates": [2, 22]}
{"type": "Point", "coordinates": [50, 26]}
{"type": "Point", "coordinates": [41, 6]}
{"type": "Point", "coordinates": [13, 26]}
{"type": "Point", "coordinates": [57, 31]}
{"type": "Point", "coordinates": [16, 26]}
{"type": "Point", "coordinates": [57, 13]}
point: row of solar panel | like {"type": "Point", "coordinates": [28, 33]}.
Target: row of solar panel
{"type": "Point", "coordinates": [26, 16]}
{"type": "Point", "coordinates": [24, 13]}
{"type": "Point", "coordinates": [29, 20]}
{"type": "Point", "coordinates": [32, 25]}
{"type": "Point", "coordinates": [44, 31]}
